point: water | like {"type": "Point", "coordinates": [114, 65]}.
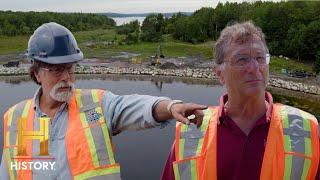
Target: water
{"type": "Point", "coordinates": [123, 20]}
{"type": "Point", "coordinates": [141, 154]}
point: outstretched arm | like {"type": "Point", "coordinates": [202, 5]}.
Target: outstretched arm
{"type": "Point", "coordinates": [135, 112]}
{"type": "Point", "coordinates": [164, 111]}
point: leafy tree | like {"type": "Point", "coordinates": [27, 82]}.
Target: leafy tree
{"type": "Point", "coordinates": [295, 41]}
{"type": "Point", "coordinates": [311, 41]}
{"type": "Point", "coordinates": [132, 38]}
{"type": "Point", "coordinates": [225, 14]}
{"type": "Point", "coordinates": [317, 63]}
{"type": "Point", "coordinates": [170, 23]}
{"type": "Point", "coordinates": [180, 28]}
{"type": "Point", "coordinates": [196, 28]}
{"type": "Point", "coordinates": [21, 23]}
{"type": "Point", "coordinates": [128, 28]}
{"type": "Point", "coordinates": [152, 28]}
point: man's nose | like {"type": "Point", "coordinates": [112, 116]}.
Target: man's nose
{"type": "Point", "coordinates": [65, 75]}
{"type": "Point", "coordinates": [253, 66]}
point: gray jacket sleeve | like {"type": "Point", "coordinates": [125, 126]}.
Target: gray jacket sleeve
{"type": "Point", "coordinates": [129, 112]}
{"type": "Point", "coordinates": [3, 169]}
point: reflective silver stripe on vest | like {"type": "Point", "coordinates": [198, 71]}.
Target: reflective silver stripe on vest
{"type": "Point", "coordinates": [13, 131]}
{"type": "Point", "coordinates": [186, 170]}
{"type": "Point", "coordinates": [296, 131]}
{"type": "Point", "coordinates": [190, 145]}
{"type": "Point", "coordinates": [111, 172]}
{"type": "Point", "coordinates": [89, 108]}
{"type": "Point", "coordinates": [193, 136]}
{"type": "Point", "coordinates": [107, 177]}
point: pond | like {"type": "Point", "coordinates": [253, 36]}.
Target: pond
{"type": "Point", "coordinates": [142, 154]}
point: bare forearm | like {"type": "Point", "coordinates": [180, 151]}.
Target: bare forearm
{"type": "Point", "coordinates": [160, 112]}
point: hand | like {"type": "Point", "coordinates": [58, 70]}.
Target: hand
{"type": "Point", "coordinates": [182, 111]}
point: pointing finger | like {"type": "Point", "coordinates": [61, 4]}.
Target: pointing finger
{"type": "Point", "coordinates": [180, 118]}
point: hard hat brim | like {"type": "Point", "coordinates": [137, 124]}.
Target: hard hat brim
{"type": "Point", "coordinates": [61, 59]}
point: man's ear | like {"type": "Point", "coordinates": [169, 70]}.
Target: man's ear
{"type": "Point", "coordinates": [218, 71]}
{"type": "Point", "coordinates": [36, 74]}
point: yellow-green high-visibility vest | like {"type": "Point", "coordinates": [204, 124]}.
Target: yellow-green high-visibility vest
{"type": "Point", "coordinates": [88, 143]}
{"type": "Point", "coordinates": [292, 147]}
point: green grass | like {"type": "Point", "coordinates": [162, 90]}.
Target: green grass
{"type": "Point", "coordinates": [276, 64]}
{"type": "Point", "coordinates": [96, 35]}
{"type": "Point", "coordinates": [170, 47]}
{"type": "Point", "coordinates": [13, 45]}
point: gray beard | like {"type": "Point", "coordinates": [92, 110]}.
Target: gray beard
{"type": "Point", "coordinates": [62, 96]}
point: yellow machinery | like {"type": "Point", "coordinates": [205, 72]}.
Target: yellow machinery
{"type": "Point", "coordinates": [136, 60]}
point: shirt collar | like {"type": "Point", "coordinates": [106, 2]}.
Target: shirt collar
{"type": "Point", "coordinates": [36, 99]}
{"type": "Point", "coordinates": [224, 99]}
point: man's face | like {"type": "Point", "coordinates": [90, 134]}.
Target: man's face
{"type": "Point", "coordinates": [244, 72]}
{"type": "Point", "coordinates": [57, 81]}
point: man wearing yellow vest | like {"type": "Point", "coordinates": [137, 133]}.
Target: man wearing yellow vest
{"type": "Point", "coordinates": [73, 127]}
{"type": "Point", "coordinates": [247, 136]}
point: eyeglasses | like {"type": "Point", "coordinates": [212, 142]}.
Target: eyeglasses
{"type": "Point", "coordinates": [242, 61]}
{"type": "Point", "coordinates": [60, 69]}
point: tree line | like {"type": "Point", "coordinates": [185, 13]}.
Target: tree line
{"type": "Point", "coordinates": [292, 28]}
{"type": "Point", "coordinates": [24, 23]}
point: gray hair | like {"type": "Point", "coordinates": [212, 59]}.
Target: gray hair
{"type": "Point", "coordinates": [35, 67]}
{"type": "Point", "coordinates": [239, 33]}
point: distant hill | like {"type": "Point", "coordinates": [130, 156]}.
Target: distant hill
{"type": "Point", "coordinates": [113, 15]}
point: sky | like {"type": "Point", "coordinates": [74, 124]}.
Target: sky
{"type": "Point", "coordinates": [117, 6]}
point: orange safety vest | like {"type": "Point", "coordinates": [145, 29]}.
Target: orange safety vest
{"type": "Point", "coordinates": [88, 143]}
{"type": "Point", "coordinates": [292, 148]}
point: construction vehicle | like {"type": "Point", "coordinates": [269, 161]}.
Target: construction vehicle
{"type": "Point", "coordinates": [12, 64]}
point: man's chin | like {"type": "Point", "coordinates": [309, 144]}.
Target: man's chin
{"type": "Point", "coordinates": [64, 89]}
{"type": "Point", "coordinates": [62, 97]}
{"type": "Point", "coordinates": [254, 90]}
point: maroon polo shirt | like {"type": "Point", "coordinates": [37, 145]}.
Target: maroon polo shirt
{"type": "Point", "coordinates": [239, 156]}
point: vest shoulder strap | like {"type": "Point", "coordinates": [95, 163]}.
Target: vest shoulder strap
{"type": "Point", "coordinates": [191, 146]}
{"type": "Point", "coordinates": [11, 118]}
{"type": "Point", "coordinates": [189, 139]}
{"type": "Point", "coordinates": [88, 98]}
{"type": "Point", "coordinates": [300, 134]}
{"type": "Point", "coordinates": [296, 121]}
{"type": "Point", "coordinates": [86, 119]}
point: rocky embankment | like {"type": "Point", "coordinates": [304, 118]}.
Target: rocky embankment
{"type": "Point", "coordinates": [153, 71]}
